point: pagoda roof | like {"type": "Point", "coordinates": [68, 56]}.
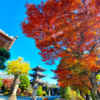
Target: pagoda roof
{"type": "Point", "coordinates": [38, 68]}
{"type": "Point", "coordinates": [55, 77]}
{"type": "Point", "coordinates": [38, 81]}
{"type": "Point", "coordinates": [37, 74]}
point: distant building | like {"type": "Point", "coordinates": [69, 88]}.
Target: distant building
{"type": "Point", "coordinates": [51, 89]}
{"type": "Point", "coordinates": [6, 41]}
{"type": "Point", "coordinates": [4, 75]}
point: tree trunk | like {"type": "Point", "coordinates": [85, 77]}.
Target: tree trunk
{"type": "Point", "coordinates": [87, 97]}
{"type": "Point", "coordinates": [14, 88]}
{"type": "Point", "coordinates": [94, 94]}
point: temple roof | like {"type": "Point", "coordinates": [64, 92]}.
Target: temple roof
{"type": "Point", "coordinates": [38, 81]}
{"type": "Point", "coordinates": [5, 40]}
{"type": "Point", "coordinates": [38, 68]}
{"type": "Point", "coordinates": [6, 35]}
{"type": "Point", "coordinates": [37, 74]}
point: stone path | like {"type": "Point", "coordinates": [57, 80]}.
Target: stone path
{"type": "Point", "coordinates": [26, 98]}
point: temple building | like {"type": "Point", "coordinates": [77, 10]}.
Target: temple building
{"type": "Point", "coordinates": [37, 75]}
{"type": "Point", "coordinates": [6, 41]}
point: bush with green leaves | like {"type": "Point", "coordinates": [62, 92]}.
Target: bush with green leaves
{"type": "Point", "coordinates": [40, 91]}
{"type": "Point", "coordinates": [24, 82]}
{"type": "Point", "coordinates": [1, 83]}
{"type": "Point", "coordinates": [4, 55]}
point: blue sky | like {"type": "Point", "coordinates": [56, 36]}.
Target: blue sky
{"type": "Point", "coordinates": [12, 13]}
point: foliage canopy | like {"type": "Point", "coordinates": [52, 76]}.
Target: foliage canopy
{"type": "Point", "coordinates": [24, 82]}
{"type": "Point", "coordinates": [4, 55]}
{"type": "Point", "coordinates": [70, 30]}
{"type": "Point", "coordinates": [18, 67]}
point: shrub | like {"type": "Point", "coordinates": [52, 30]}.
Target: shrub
{"type": "Point", "coordinates": [44, 93]}
{"type": "Point", "coordinates": [1, 83]}
{"type": "Point", "coordinates": [6, 93]}
{"type": "Point", "coordinates": [45, 99]}
{"type": "Point", "coordinates": [22, 94]}
{"type": "Point", "coordinates": [24, 82]}
{"type": "Point", "coordinates": [39, 91]}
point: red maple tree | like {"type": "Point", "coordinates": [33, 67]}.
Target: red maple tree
{"type": "Point", "coordinates": [7, 83]}
{"type": "Point", "coordinates": [66, 29]}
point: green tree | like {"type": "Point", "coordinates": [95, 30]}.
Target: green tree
{"type": "Point", "coordinates": [1, 83]}
{"type": "Point", "coordinates": [64, 92]}
{"type": "Point", "coordinates": [24, 82]}
{"type": "Point", "coordinates": [4, 55]}
{"type": "Point", "coordinates": [69, 94]}
{"type": "Point", "coordinates": [39, 91]}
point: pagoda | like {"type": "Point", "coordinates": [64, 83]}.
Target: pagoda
{"type": "Point", "coordinates": [36, 79]}
{"type": "Point", "coordinates": [6, 41]}
{"type": "Point", "coordinates": [37, 75]}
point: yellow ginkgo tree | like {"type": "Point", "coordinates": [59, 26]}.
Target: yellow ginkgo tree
{"type": "Point", "coordinates": [17, 68]}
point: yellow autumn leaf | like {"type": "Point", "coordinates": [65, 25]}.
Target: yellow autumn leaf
{"type": "Point", "coordinates": [18, 67]}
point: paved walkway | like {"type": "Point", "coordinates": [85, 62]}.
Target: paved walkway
{"type": "Point", "coordinates": [27, 98]}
